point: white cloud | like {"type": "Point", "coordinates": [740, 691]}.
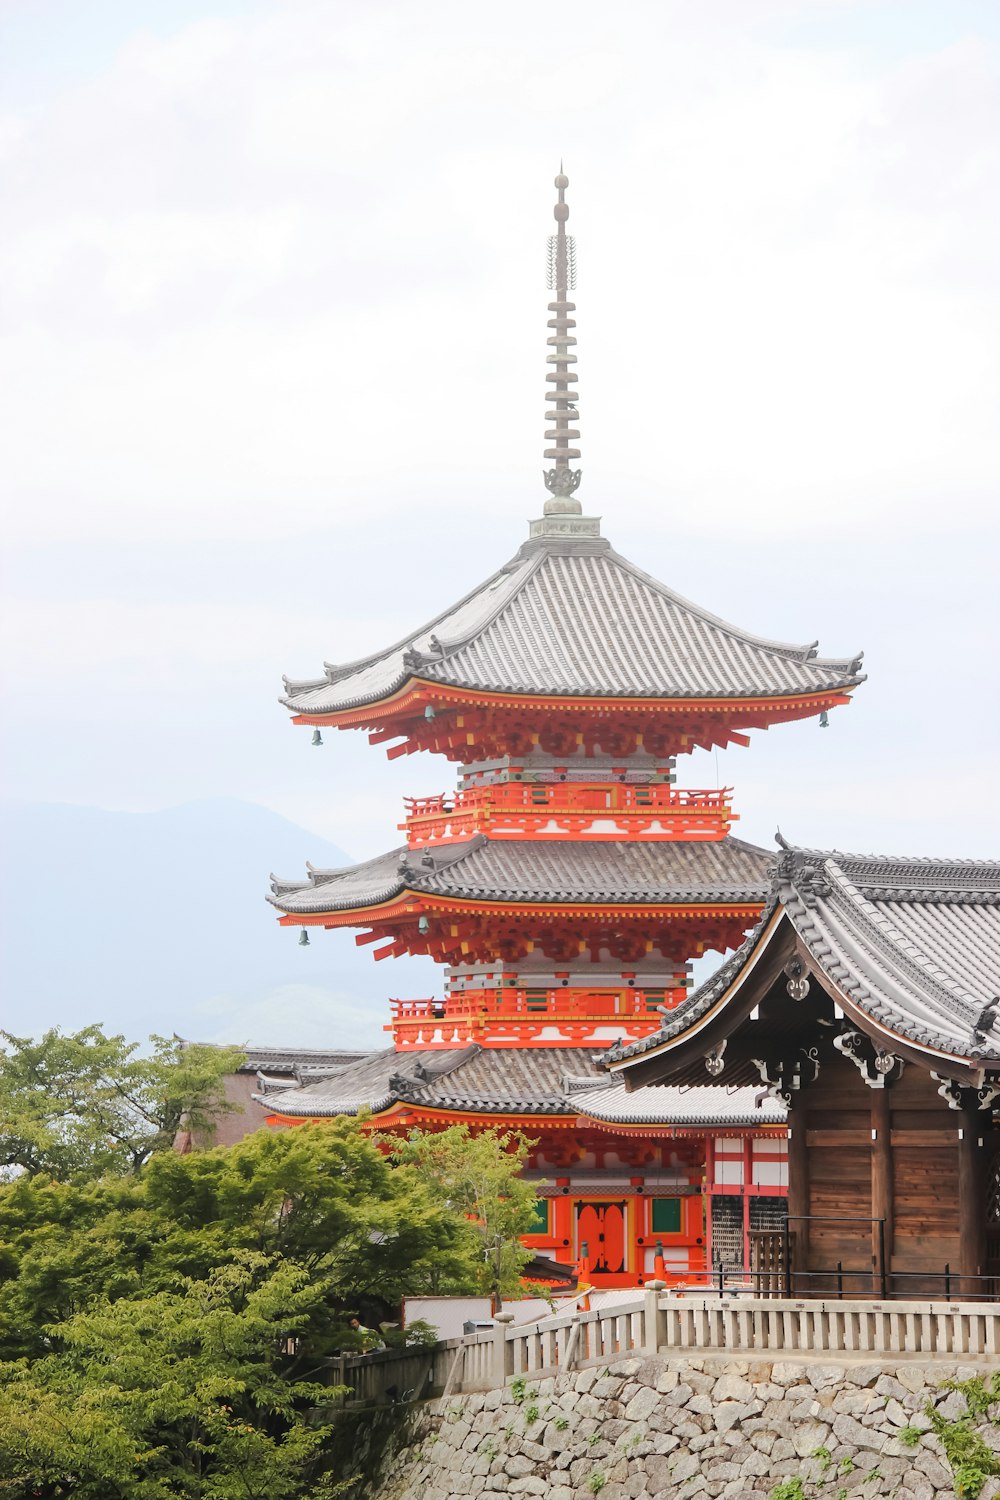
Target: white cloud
{"type": "Point", "coordinates": [277, 263]}
{"type": "Point", "coordinates": [274, 306]}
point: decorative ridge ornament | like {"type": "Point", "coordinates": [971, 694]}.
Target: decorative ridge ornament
{"type": "Point", "coordinates": [561, 481]}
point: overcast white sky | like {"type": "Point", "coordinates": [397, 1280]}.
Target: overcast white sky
{"type": "Point", "coordinates": [273, 306]}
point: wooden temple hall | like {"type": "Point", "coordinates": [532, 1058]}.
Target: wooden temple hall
{"type": "Point", "coordinates": [865, 1002]}
{"type": "Point", "coordinates": [568, 880]}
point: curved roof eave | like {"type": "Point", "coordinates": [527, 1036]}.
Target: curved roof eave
{"type": "Point", "coordinates": [683, 663]}
{"type": "Point", "coordinates": [727, 872]}
{"type": "Point", "coordinates": [903, 985]}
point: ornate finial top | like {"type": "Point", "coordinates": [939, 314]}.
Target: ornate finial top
{"type": "Point", "coordinates": [561, 481]}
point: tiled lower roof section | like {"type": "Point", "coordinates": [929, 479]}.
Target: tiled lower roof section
{"type": "Point", "coordinates": [572, 618]}
{"type": "Point", "coordinates": [914, 943]}
{"type": "Point", "coordinates": [367, 884]}
{"type": "Point", "coordinates": [659, 1103]}
{"type": "Point", "coordinates": [518, 1080]}
{"type": "Point", "coordinates": [298, 1060]}
{"type": "Point", "coordinates": [514, 870]}
{"type": "Point", "coordinates": [476, 1079]}
{"type": "Point", "coordinates": [372, 1083]}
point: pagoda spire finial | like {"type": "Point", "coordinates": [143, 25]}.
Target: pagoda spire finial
{"type": "Point", "coordinates": [561, 481]}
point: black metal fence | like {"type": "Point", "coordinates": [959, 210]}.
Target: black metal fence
{"type": "Point", "coordinates": [773, 1270]}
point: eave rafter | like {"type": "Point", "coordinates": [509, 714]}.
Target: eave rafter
{"type": "Point", "coordinates": [455, 931]}
{"type": "Point", "coordinates": [466, 725]}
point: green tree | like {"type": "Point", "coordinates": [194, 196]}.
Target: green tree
{"type": "Point", "coordinates": [174, 1331]}
{"type": "Point", "coordinates": [324, 1198]}
{"type": "Point", "coordinates": [480, 1175]}
{"type": "Point", "coordinates": [84, 1104]}
{"type": "Point", "coordinates": [177, 1393]}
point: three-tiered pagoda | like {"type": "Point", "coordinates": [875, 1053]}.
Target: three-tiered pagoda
{"type": "Point", "coordinates": [568, 882]}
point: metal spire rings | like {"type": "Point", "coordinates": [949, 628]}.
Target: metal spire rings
{"type": "Point", "coordinates": [561, 481]}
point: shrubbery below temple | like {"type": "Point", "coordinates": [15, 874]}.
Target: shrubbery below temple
{"type": "Point", "coordinates": [175, 1330]}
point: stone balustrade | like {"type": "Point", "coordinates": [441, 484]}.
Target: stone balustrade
{"type": "Point", "coordinates": [655, 1323]}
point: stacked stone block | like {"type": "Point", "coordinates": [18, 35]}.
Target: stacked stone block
{"type": "Point", "coordinates": [708, 1426]}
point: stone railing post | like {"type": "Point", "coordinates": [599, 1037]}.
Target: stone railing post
{"type": "Point", "coordinates": [651, 1317]}
{"type": "Point", "coordinates": [503, 1363]}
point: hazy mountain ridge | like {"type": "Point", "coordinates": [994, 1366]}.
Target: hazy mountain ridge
{"type": "Point", "coordinates": [157, 922]}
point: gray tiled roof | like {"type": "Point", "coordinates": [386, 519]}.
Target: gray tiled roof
{"type": "Point", "coordinates": [372, 1083]}
{"type": "Point", "coordinates": [657, 1103]}
{"type": "Point", "coordinates": [569, 617]}
{"type": "Point", "coordinates": [529, 1080]}
{"type": "Point", "coordinates": [660, 872]}
{"type": "Point", "coordinates": [483, 1079]}
{"type": "Point", "coordinates": [298, 1060]}
{"type": "Point", "coordinates": [914, 943]}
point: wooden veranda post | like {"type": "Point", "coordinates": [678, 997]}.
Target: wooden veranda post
{"type": "Point", "coordinates": [882, 1189]}
{"type": "Point", "coordinates": [798, 1196]}
{"type": "Point", "coordinates": [971, 1198]}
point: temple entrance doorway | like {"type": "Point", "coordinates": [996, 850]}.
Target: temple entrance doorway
{"type": "Point", "coordinates": [602, 1228]}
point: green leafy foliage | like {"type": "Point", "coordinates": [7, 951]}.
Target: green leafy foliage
{"type": "Point", "coordinates": [971, 1459]}
{"type": "Point", "coordinates": [174, 1393]}
{"type": "Point", "coordinates": [788, 1489]}
{"type": "Point", "coordinates": [176, 1331]}
{"type": "Point", "coordinates": [479, 1176]}
{"type": "Point", "coordinates": [85, 1104]}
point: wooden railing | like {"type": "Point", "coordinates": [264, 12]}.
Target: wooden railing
{"type": "Point", "coordinates": [768, 1271]}
{"type": "Point", "coordinates": [513, 1003]}
{"type": "Point", "coordinates": [570, 796]}
{"type": "Point", "coordinates": [567, 808]}
{"type": "Point", "coordinates": [657, 1324]}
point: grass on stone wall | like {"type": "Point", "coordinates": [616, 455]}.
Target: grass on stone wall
{"type": "Point", "coordinates": [969, 1457]}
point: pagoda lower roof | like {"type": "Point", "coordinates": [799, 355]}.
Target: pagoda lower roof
{"type": "Point", "coordinates": [569, 617]}
{"type": "Point", "coordinates": [912, 945]}
{"type": "Point", "coordinates": [517, 871]}
{"type": "Point", "coordinates": [517, 1081]}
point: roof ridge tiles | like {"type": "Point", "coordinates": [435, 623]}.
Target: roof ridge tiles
{"type": "Point", "coordinates": [925, 861]}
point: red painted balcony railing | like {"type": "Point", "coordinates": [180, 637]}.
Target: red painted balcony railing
{"type": "Point", "coordinates": [474, 1012]}
{"type": "Point", "coordinates": [569, 810]}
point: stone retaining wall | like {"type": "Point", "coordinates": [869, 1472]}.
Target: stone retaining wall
{"type": "Point", "coordinates": [709, 1426]}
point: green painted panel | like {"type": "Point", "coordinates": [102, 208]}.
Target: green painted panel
{"type": "Point", "coordinates": [541, 1223]}
{"type": "Point", "coordinates": [666, 1216]}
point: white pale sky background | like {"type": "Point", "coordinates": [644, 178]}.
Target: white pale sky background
{"type": "Point", "coordinates": [273, 303]}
